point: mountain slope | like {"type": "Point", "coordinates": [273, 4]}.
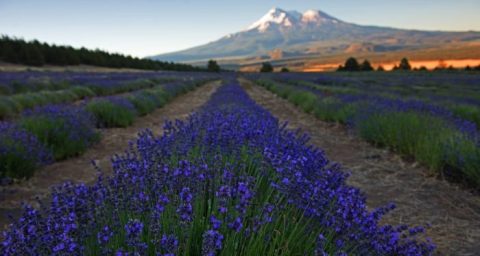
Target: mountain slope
{"type": "Point", "coordinates": [315, 33]}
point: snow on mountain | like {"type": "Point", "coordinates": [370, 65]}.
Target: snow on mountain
{"type": "Point", "coordinates": [288, 19]}
{"type": "Point", "coordinates": [318, 17]}
{"type": "Point", "coordinates": [275, 16]}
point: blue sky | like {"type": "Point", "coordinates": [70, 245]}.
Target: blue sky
{"type": "Point", "coordinates": [148, 27]}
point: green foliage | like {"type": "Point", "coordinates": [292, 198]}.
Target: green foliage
{"type": "Point", "coordinates": [14, 164]}
{"type": "Point", "coordinates": [8, 107]}
{"type": "Point", "coordinates": [429, 139]}
{"type": "Point", "coordinates": [469, 112]}
{"type": "Point", "coordinates": [34, 99]}
{"type": "Point", "coordinates": [284, 70]}
{"type": "Point", "coordinates": [29, 100]}
{"type": "Point", "coordinates": [82, 92]}
{"type": "Point", "coordinates": [266, 67]}
{"type": "Point", "coordinates": [332, 110]}
{"type": "Point", "coordinates": [143, 104]}
{"type": "Point", "coordinates": [109, 114]}
{"type": "Point", "coordinates": [303, 99]}
{"type": "Point", "coordinates": [160, 96]}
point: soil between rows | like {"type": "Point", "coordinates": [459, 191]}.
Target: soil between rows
{"type": "Point", "coordinates": [114, 141]}
{"type": "Point", "coordinates": [452, 213]}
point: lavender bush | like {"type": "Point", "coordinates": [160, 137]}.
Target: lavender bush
{"type": "Point", "coordinates": [20, 152]}
{"type": "Point", "coordinates": [112, 111]}
{"type": "Point", "coordinates": [66, 130]}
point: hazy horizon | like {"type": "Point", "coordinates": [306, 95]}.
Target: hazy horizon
{"type": "Point", "coordinates": [148, 28]}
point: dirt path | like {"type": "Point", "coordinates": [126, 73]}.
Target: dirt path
{"type": "Point", "coordinates": [113, 141]}
{"type": "Point", "coordinates": [454, 214]}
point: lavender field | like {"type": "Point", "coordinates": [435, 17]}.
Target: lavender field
{"type": "Point", "coordinates": [239, 128]}
{"type": "Point", "coordinates": [229, 179]}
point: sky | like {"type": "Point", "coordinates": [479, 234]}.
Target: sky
{"type": "Point", "coordinates": [147, 27]}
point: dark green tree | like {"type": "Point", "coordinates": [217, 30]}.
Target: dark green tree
{"type": "Point", "coordinates": [380, 68]}
{"type": "Point", "coordinates": [366, 66]}
{"type": "Point", "coordinates": [351, 64]}
{"type": "Point", "coordinates": [213, 66]}
{"type": "Point", "coordinates": [266, 67]}
{"type": "Point", "coordinates": [34, 56]}
{"type": "Point", "coordinates": [404, 65]}
{"type": "Point", "coordinates": [284, 70]}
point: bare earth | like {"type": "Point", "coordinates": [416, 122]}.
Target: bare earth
{"type": "Point", "coordinates": [80, 169]}
{"type": "Point", "coordinates": [453, 213]}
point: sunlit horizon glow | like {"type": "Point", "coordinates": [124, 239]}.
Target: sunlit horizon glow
{"type": "Point", "coordinates": [148, 28]}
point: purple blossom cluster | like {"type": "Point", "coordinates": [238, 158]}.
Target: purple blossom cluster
{"type": "Point", "coordinates": [223, 181]}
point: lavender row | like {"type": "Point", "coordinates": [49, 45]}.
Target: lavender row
{"type": "Point", "coordinates": [22, 82]}
{"type": "Point", "coordinates": [432, 134]}
{"type": "Point", "coordinates": [80, 86]}
{"type": "Point", "coordinates": [56, 132]}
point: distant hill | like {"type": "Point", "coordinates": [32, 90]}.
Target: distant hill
{"type": "Point", "coordinates": [291, 36]}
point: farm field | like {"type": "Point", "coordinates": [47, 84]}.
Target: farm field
{"type": "Point", "coordinates": [229, 174]}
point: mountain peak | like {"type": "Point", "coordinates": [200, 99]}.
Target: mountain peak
{"type": "Point", "coordinates": [275, 16]}
{"type": "Point", "coordinates": [286, 19]}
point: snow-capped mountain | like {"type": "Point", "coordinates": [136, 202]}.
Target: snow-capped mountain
{"type": "Point", "coordinates": [279, 34]}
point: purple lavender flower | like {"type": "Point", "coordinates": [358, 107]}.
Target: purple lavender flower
{"type": "Point", "coordinates": [185, 210]}
{"type": "Point", "coordinates": [169, 244]}
{"type": "Point", "coordinates": [236, 224]}
{"type": "Point", "coordinates": [103, 237]}
{"type": "Point", "coordinates": [212, 242]}
{"type": "Point", "coordinates": [216, 223]}
{"type": "Point", "coordinates": [134, 229]}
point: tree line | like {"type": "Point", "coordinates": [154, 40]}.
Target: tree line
{"type": "Point", "coordinates": [351, 64]}
{"type": "Point", "coordinates": [35, 53]}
